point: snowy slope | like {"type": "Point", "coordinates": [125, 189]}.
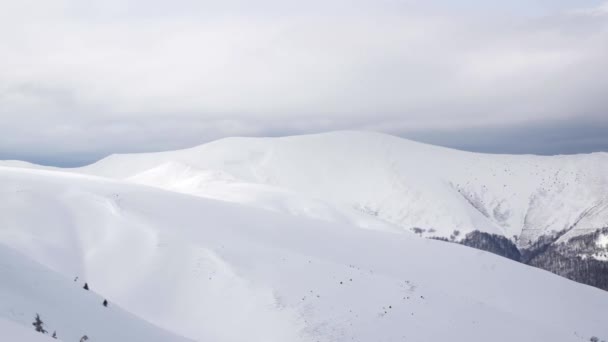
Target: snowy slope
{"type": "Point", "coordinates": [12, 331]}
{"type": "Point", "coordinates": [401, 182]}
{"type": "Point", "coordinates": [27, 289]}
{"type": "Point", "coordinates": [219, 185]}
{"type": "Point", "coordinates": [216, 271]}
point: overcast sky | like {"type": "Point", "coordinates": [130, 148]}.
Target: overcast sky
{"type": "Point", "coordinates": [80, 80]}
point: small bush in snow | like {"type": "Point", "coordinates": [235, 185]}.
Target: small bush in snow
{"type": "Point", "coordinates": [39, 324]}
{"type": "Point", "coordinates": [418, 231]}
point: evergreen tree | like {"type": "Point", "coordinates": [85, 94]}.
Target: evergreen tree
{"type": "Point", "coordinates": [86, 286]}
{"type": "Point", "coordinates": [38, 324]}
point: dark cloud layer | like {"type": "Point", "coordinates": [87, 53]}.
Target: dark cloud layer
{"type": "Point", "coordinates": [543, 138]}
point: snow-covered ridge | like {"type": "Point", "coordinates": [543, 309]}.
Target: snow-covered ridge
{"type": "Point", "coordinates": [404, 183]}
{"type": "Point", "coordinates": [216, 271]}
{"type": "Point", "coordinates": [178, 177]}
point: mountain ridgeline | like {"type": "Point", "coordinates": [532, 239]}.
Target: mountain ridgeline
{"type": "Point", "coordinates": [545, 211]}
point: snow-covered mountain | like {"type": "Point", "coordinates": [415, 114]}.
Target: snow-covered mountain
{"type": "Point", "coordinates": [302, 239]}
{"type": "Point", "coordinates": [538, 204]}
{"type": "Point", "coordinates": [216, 271]}
{"type": "Point", "coordinates": [401, 182]}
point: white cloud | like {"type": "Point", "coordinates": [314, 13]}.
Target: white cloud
{"type": "Point", "coordinates": [213, 70]}
{"type": "Point", "coordinates": [599, 10]}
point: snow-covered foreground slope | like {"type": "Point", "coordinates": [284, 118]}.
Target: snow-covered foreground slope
{"type": "Point", "coordinates": [394, 180]}
{"type": "Point", "coordinates": [12, 331]}
{"type": "Point", "coordinates": [27, 289]}
{"type": "Point", "coordinates": [216, 271]}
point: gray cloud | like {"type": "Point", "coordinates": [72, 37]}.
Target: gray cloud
{"type": "Point", "coordinates": [79, 81]}
{"type": "Point", "coordinates": [544, 138]}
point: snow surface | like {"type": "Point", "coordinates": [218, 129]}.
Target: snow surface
{"type": "Point", "coordinates": [27, 289]}
{"type": "Point", "coordinates": [602, 244]}
{"type": "Point", "coordinates": [212, 270]}
{"type": "Point", "coordinates": [12, 331]}
{"type": "Point", "coordinates": [219, 185]}
{"type": "Point", "coordinates": [336, 176]}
